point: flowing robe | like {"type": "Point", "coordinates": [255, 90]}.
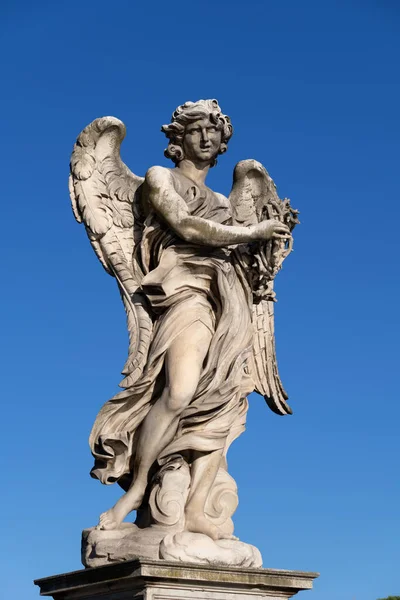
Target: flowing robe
{"type": "Point", "coordinates": [184, 283]}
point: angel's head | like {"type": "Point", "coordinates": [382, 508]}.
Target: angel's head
{"type": "Point", "coordinates": [198, 131]}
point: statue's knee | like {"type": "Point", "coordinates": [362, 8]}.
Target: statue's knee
{"type": "Point", "coordinates": [179, 398]}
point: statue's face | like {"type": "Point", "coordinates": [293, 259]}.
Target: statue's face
{"type": "Point", "coordinates": [202, 141]}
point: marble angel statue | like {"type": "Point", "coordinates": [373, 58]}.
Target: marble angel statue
{"type": "Point", "coordinates": [195, 271]}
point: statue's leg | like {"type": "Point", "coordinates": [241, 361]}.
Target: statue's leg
{"type": "Point", "coordinates": [184, 362]}
{"type": "Point", "coordinates": [204, 471]}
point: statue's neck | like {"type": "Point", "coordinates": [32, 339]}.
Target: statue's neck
{"type": "Point", "coordinates": [195, 172]}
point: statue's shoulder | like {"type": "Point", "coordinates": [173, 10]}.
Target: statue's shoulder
{"type": "Point", "coordinates": [156, 174]}
{"type": "Point", "coordinates": [158, 178]}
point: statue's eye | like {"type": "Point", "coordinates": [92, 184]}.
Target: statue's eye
{"type": "Point", "coordinates": [212, 129]}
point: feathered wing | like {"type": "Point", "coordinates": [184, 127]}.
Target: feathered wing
{"type": "Point", "coordinates": [104, 196]}
{"type": "Point", "coordinates": [267, 381]}
{"type": "Point", "coordinates": [254, 198]}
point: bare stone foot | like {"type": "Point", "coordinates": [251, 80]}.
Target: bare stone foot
{"type": "Point", "coordinates": [112, 518]}
{"type": "Point", "coordinates": [108, 520]}
{"type": "Point", "coordinates": [200, 524]}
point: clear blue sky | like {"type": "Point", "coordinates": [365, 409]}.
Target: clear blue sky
{"type": "Point", "coordinates": [313, 89]}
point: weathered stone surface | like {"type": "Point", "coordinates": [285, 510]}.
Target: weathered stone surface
{"type": "Point", "coordinates": [196, 271]}
{"type": "Point", "coordinates": [190, 547]}
{"type": "Point", "coordinates": [161, 580]}
{"type": "Point", "coordinates": [102, 547]}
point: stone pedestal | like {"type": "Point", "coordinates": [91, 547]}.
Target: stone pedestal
{"type": "Point", "coordinates": [143, 579]}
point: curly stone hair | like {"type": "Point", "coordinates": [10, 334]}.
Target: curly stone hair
{"type": "Point", "coordinates": [193, 111]}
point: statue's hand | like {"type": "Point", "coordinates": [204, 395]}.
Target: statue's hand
{"type": "Point", "coordinates": [271, 229]}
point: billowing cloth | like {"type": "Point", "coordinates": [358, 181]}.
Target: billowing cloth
{"type": "Point", "coordinates": [184, 284]}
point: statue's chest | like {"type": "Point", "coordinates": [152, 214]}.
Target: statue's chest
{"type": "Point", "coordinates": [204, 203]}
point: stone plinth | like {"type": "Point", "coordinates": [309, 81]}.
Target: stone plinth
{"type": "Point", "coordinates": [144, 579]}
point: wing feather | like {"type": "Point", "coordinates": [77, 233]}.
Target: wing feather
{"type": "Point", "coordinates": [254, 198]}
{"type": "Point", "coordinates": [103, 195]}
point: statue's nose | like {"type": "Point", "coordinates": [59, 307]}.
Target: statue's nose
{"type": "Point", "coordinates": [204, 136]}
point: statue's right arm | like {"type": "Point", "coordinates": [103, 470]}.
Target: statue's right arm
{"type": "Point", "coordinates": [164, 198]}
